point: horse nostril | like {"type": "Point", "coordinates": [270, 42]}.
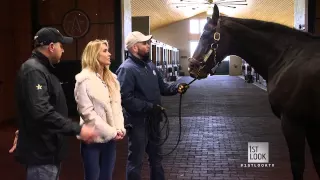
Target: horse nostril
{"type": "Point", "coordinates": [194, 66]}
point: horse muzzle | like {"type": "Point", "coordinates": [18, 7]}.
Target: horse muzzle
{"type": "Point", "coordinates": [198, 73]}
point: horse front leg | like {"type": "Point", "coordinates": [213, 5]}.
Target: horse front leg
{"type": "Point", "coordinates": [312, 134]}
{"type": "Point", "coordinates": [294, 133]}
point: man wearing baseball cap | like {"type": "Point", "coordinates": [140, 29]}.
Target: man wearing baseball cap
{"type": "Point", "coordinates": [53, 40]}
{"type": "Point", "coordinates": [141, 89]}
{"type": "Point", "coordinates": [43, 113]}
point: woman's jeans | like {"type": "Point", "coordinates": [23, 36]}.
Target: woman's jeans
{"type": "Point", "coordinates": [98, 160]}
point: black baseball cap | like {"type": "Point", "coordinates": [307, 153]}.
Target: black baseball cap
{"type": "Point", "coordinates": [48, 35]}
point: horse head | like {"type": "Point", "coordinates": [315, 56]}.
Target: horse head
{"type": "Point", "coordinates": [210, 50]}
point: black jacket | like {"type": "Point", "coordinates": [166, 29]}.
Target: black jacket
{"type": "Point", "coordinates": [43, 114]}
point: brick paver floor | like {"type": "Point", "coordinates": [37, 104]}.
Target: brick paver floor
{"type": "Point", "coordinates": [221, 115]}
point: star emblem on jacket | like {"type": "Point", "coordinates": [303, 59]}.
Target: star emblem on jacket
{"type": "Point", "coordinates": [39, 87]}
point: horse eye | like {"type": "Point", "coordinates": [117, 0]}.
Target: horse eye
{"type": "Point", "coordinates": [206, 33]}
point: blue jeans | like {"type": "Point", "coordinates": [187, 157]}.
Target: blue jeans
{"type": "Point", "coordinates": [43, 172]}
{"type": "Point", "coordinates": [98, 160]}
{"type": "Point", "coordinates": [139, 143]}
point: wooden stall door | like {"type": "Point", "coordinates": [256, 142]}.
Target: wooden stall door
{"type": "Point", "coordinates": [154, 53]}
{"type": "Point", "coordinates": [15, 48]}
{"type": "Point", "coordinates": [317, 21]}
{"type": "Point", "coordinates": [84, 21]}
{"type": "Point", "coordinates": [6, 52]}
{"type": "Point", "coordinates": [161, 57]}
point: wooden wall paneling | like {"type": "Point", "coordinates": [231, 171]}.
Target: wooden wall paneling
{"type": "Point", "coordinates": [15, 34]}
{"type": "Point", "coordinates": [76, 23]}
{"type": "Point", "coordinates": [1, 94]}
{"type": "Point", "coordinates": [22, 45]}
{"type": "Point", "coordinates": [5, 48]}
{"type": "Point", "coordinates": [98, 31]}
{"type": "Point", "coordinates": [21, 19]}
{"type": "Point", "coordinates": [7, 75]}
{"type": "Point", "coordinates": [317, 28]}
{"type": "Point", "coordinates": [5, 16]}
{"type": "Point", "coordinates": [22, 40]}
{"type": "Point", "coordinates": [101, 22]}
{"type": "Point", "coordinates": [317, 18]}
{"type": "Point", "coordinates": [84, 21]}
{"type": "Point", "coordinates": [318, 9]}
{"type": "Point", "coordinates": [22, 31]}
{"type": "Point", "coordinates": [99, 11]}
{"type": "Point", "coordinates": [101, 19]}
{"type": "Point", "coordinates": [52, 12]}
{"type": "Point", "coordinates": [6, 63]}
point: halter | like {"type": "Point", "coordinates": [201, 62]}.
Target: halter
{"type": "Point", "coordinates": [213, 49]}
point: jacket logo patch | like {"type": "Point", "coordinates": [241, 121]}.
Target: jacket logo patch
{"type": "Point", "coordinates": [39, 87]}
{"type": "Point", "coordinates": [154, 72]}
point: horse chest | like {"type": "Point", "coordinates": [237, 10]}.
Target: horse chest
{"type": "Point", "coordinates": [289, 85]}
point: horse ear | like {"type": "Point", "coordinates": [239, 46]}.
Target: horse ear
{"type": "Point", "coordinates": [215, 14]}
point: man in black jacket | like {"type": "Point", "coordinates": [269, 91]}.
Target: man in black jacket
{"type": "Point", "coordinates": [141, 89]}
{"type": "Point", "coordinates": [42, 109]}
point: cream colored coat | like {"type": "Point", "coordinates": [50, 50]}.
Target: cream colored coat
{"type": "Point", "coordinates": [97, 106]}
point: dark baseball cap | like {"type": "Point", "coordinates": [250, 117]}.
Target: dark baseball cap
{"type": "Point", "coordinates": [48, 35]}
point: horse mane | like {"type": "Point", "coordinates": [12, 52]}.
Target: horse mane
{"type": "Point", "coordinates": [271, 27]}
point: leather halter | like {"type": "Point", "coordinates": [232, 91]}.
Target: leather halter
{"type": "Point", "coordinates": [212, 51]}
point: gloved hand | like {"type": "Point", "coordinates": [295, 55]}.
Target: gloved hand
{"type": "Point", "coordinates": [182, 88]}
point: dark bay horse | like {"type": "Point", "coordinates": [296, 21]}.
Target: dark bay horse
{"type": "Point", "coordinates": [290, 62]}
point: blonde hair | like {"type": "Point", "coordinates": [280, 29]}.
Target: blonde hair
{"type": "Point", "coordinates": [90, 60]}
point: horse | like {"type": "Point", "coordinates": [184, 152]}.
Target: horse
{"type": "Point", "coordinates": [287, 58]}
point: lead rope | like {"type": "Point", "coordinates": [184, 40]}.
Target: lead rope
{"type": "Point", "coordinates": [180, 125]}
{"type": "Point", "coordinates": [151, 128]}
{"type": "Point", "coordinates": [206, 57]}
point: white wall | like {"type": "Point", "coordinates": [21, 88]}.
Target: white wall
{"type": "Point", "coordinates": [301, 13]}
{"type": "Point", "coordinates": [235, 63]}
{"type": "Point", "coordinates": [177, 35]}
{"type": "Point", "coordinates": [126, 22]}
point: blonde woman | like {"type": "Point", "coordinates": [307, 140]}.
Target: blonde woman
{"type": "Point", "coordinates": [97, 93]}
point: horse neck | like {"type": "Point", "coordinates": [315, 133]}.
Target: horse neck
{"type": "Point", "coordinates": [251, 46]}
